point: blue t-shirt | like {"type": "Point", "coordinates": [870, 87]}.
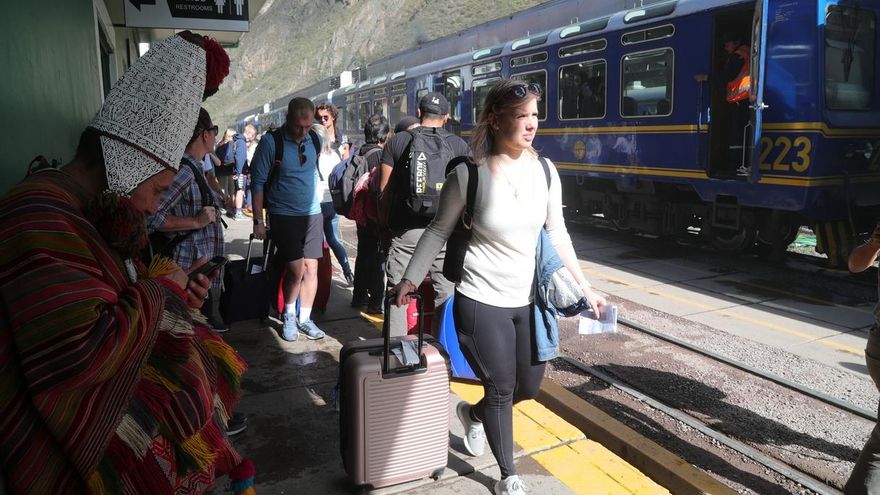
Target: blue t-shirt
{"type": "Point", "coordinates": [293, 190]}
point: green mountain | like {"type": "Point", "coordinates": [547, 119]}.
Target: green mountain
{"type": "Point", "coordinates": [295, 43]}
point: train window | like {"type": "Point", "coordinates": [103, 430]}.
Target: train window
{"type": "Point", "coordinates": [380, 91]}
{"type": "Point", "coordinates": [849, 58]}
{"type": "Point", "coordinates": [398, 88]}
{"type": "Point", "coordinates": [582, 90]}
{"type": "Point", "coordinates": [398, 109]}
{"type": "Point", "coordinates": [452, 92]}
{"type": "Point", "coordinates": [479, 91]}
{"type": "Point", "coordinates": [479, 70]}
{"type": "Point", "coordinates": [397, 75]}
{"type": "Point", "coordinates": [534, 58]}
{"type": "Point", "coordinates": [647, 83]}
{"type": "Point", "coordinates": [584, 28]}
{"type": "Point", "coordinates": [363, 95]}
{"type": "Point", "coordinates": [351, 117]}
{"type": "Point", "coordinates": [650, 34]}
{"type": "Point", "coordinates": [645, 13]}
{"type": "Point", "coordinates": [528, 42]}
{"type": "Point", "coordinates": [363, 114]}
{"type": "Point", "coordinates": [537, 77]}
{"type": "Point", "coordinates": [380, 106]}
{"type": "Point", "coordinates": [582, 48]}
{"type": "Point", "coordinates": [420, 93]}
{"type": "Point", "coordinates": [486, 53]}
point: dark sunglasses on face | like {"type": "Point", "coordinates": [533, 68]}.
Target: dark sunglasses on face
{"type": "Point", "coordinates": [213, 129]}
{"type": "Point", "coordinates": [324, 117]}
{"type": "Point", "coordinates": [521, 90]}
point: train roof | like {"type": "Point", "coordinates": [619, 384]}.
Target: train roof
{"type": "Point", "coordinates": [547, 23]}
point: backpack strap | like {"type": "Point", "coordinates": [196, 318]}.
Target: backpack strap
{"type": "Point", "coordinates": [467, 216]}
{"type": "Point", "coordinates": [278, 137]}
{"type": "Point", "coordinates": [546, 167]}
{"type": "Point", "coordinates": [317, 144]}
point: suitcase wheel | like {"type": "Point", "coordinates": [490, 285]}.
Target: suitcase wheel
{"type": "Point", "coordinates": [437, 474]}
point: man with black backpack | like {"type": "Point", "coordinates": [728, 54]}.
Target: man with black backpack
{"type": "Point", "coordinates": [284, 178]}
{"type": "Point", "coordinates": [412, 175]}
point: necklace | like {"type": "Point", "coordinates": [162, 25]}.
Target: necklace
{"type": "Point", "coordinates": [510, 182]}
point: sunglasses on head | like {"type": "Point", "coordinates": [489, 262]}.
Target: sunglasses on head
{"type": "Point", "coordinates": [522, 90]}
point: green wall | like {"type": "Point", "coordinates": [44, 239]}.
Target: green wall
{"type": "Point", "coordinates": [50, 85]}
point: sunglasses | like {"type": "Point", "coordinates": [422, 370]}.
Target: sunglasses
{"type": "Point", "coordinates": [213, 129]}
{"type": "Point", "coordinates": [522, 90]}
{"type": "Point", "coordinates": [325, 117]}
{"type": "Point", "coordinates": [302, 154]}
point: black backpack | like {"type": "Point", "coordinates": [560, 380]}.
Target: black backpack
{"type": "Point", "coordinates": [419, 179]}
{"type": "Point", "coordinates": [278, 136]}
{"type": "Point", "coordinates": [345, 175]}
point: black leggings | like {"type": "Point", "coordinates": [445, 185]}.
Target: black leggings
{"type": "Point", "coordinates": [490, 337]}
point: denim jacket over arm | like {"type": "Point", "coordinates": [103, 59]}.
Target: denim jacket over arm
{"type": "Point", "coordinates": [547, 261]}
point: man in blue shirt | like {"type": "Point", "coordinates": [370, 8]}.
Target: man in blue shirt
{"type": "Point", "coordinates": [289, 192]}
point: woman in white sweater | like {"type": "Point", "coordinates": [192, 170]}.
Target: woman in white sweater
{"type": "Point", "coordinates": [493, 300]}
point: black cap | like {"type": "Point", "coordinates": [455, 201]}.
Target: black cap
{"type": "Point", "coordinates": [434, 103]}
{"type": "Point", "coordinates": [405, 123]}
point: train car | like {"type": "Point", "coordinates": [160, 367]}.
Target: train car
{"type": "Point", "coordinates": [635, 118]}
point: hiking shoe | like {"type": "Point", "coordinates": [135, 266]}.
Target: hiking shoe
{"type": "Point", "coordinates": [239, 217]}
{"type": "Point", "coordinates": [290, 331]}
{"type": "Point", "coordinates": [218, 327]}
{"type": "Point", "coordinates": [349, 278]}
{"type": "Point", "coordinates": [236, 424]}
{"type": "Point", "coordinates": [474, 435]}
{"type": "Point", "coordinates": [512, 485]}
{"type": "Point", "coordinates": [311, 330]}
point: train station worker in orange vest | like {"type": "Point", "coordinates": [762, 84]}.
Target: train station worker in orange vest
{"type": "Point", "coordinates": [737, 80]}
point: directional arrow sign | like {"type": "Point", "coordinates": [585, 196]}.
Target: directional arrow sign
{"type": "Point", "coordinates": [137, 3]}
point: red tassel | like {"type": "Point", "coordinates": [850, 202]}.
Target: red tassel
{"type": "Point", "coordinates": [243, 471]}
{"type": "Point", "coordinates": [217, 67]}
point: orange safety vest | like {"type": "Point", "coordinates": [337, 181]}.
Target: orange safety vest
{"type": "Point", "coordinates": [738, 89]}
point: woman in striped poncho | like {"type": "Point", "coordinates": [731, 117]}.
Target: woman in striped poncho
{"type": "Point", "coordinates": [110, 382]}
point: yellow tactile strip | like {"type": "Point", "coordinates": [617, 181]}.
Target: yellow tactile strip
{"type": "Point", "coordinates": [583, 465]}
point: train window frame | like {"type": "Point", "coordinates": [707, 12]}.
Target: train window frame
{"type": "Point", "coordinates": [397, 75]}
{"type": "Point", "coordinates": [649, 12]}
{"type": "Point", "coordinates": [605, 99]}
{"type": "Point", "coordinates": [351, 115]}
{"type": "Point", "coordinates": [380, 91]}
{"type": "Point", "coordinates": [585, 27]}
{"type": "Point", "coordinates": [399, 88]}
{"type": "Point", "coordinates": [383, 101]}
{"type": "Point", "coordinates": [671, 82]}
{"type": "Point", "coordinates": [586, 52]}
{"type": "Point", "coordinates": [454, 117]}
{"type": "Point", "coordinates": [543, 88]}
{"type": "Point", "coordinates": [872, 73]}
{"type": "Point", "coordinates": [361, 120]}
{"type": "Point", "coordinates": [363, 84]}
{"type": "Point", "coordinates": [646, 39]}
{"type": "Point", "coordinates": [483, 82]}
{"type": "Point", "coordinates": [379, 80]}
{"type": "Point", "coordinates": [490, 67]}
{"type": "Point", "coordinates": [527, 60]}
{"type": "Point", "coordinates": [363, 95]}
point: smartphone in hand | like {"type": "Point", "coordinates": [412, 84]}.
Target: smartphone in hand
{"type": "Point", "coordinates": [210, 267]}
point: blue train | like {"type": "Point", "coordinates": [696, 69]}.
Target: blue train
{"type": "Point", "coordinates": [635, 118]}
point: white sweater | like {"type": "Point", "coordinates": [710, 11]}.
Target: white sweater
{"type": "Point", "coordinates": [499, 266]}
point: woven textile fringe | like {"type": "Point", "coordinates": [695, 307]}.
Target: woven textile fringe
{"type": "Point", "coordinates": [155, 376]}
{"type": "Point", "coordinates": [133, 436]}
{"type": "Point", "coordinates": [220, 409]}
{"type": "Point", "coordinates": [199, 450]}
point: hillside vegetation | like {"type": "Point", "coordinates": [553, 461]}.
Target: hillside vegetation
{"type": "Point", "coordinates": [295, 43]}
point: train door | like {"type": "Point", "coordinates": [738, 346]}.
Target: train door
{"type": "Point", "coordinates": [731, 129]}
{"type": "Point", "coordinates": [449, 84]}
{"type": "Point", "coordinates": [757, 63]}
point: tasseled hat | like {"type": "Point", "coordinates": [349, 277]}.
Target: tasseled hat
{"type": "Point", "coordinates": [148, 117]}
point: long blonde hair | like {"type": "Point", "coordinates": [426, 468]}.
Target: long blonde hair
{"type": "Point", "coordinates": [501, 97]}
{"type": "Point", "coordinates": [324, 134]}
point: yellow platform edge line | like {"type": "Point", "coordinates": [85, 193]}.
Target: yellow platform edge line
{"type": "Point", "coordinates": [662, 466]}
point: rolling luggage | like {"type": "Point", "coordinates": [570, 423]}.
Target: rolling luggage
{"type": "Point", "coordinates": [394, 417]}
{"type": "Point", "coordinates": [246, 287]}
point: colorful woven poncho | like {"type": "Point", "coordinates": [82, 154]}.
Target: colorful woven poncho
{"type": "Point", "coordinates": [106, 385]}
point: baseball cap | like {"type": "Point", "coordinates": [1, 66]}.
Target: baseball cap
{"type": "Point", "coordinates": [434, 103]}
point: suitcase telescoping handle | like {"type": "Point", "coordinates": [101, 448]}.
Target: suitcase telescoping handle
{"type": "Point", "coordinates": [386, 332]}
{"type": "Point", "coordinates": [247, 258]}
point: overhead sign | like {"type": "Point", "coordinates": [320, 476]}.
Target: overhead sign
{"type": "Point", "coordinates": [213, 15]}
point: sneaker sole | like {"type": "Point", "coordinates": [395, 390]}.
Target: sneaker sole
{"type": "Point", "coordinates": [313, 338]}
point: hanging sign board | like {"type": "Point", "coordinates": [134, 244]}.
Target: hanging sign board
{"type": "Point", "coordinates": [212, 15]}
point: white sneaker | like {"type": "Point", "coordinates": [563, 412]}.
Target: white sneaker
{"type": "Point", "coordinates": [474, 435]}
{"type": "Point", "coordinates": [512, 485]}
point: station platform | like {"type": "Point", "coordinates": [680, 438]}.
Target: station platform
{"type": "Point", "coordinates": [563, 445]}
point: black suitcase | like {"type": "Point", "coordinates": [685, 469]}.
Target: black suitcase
{"type": "Point", "coordinates": [246, 287]}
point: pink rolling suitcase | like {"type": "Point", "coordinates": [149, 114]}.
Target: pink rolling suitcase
{"type": "Point", "coordinates": [394, 418]}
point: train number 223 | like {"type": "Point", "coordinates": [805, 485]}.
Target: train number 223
{"type": "Point", "coordinates": [781, 148]}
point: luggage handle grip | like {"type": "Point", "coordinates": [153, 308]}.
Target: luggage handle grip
{"type": "Point", "coordinates": [386, 333]}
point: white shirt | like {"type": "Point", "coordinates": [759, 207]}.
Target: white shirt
{"type": "Point", "coordinates": [326, 162]}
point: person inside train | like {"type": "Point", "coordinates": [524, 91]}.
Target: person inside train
{"type": "Point", "coordinates": [493, 308]}
{"type": "Point", "coordinates": [109, 383]}
{"type": "Point", "coordinates": [865, 476]}
{"type": "Point", "coordinates": [736, 79]}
